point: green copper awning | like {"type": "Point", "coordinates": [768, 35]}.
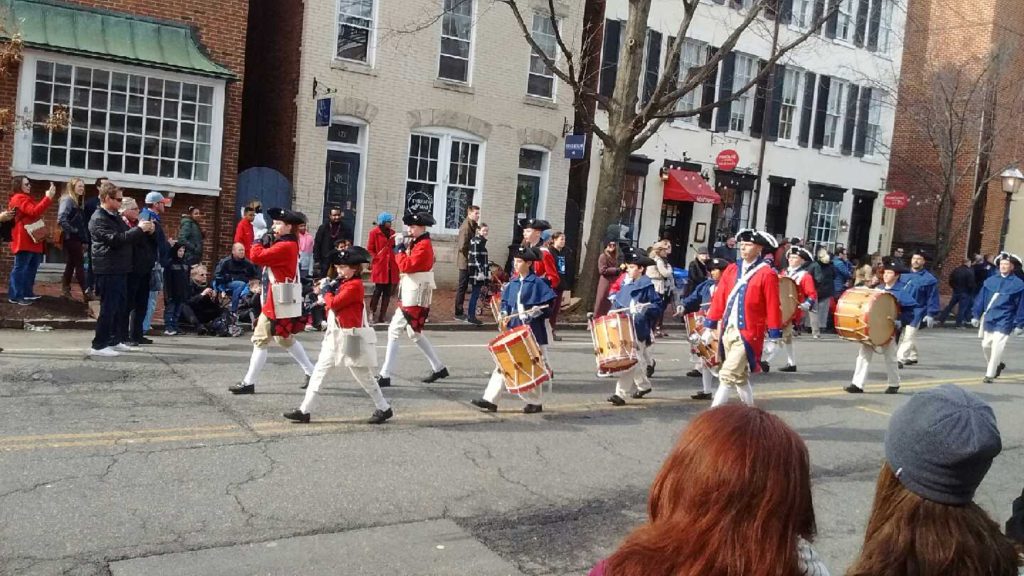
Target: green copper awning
{"type": "Point", "coordinates": [95, 33]}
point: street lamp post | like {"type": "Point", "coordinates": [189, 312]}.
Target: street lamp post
{"type": "Point", "coordinates": [1012, 179]}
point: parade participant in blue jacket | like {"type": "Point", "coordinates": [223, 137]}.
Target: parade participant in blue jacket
{"type": "Point", "coordinates": [700, 299]}
{"type": "Point", "coordinates": [521, 300]}
{"type": "Point", "coordinates": [999, 310]}
{"type": "Point", "coordinates": [638, 295]}
{"type": "Point", "coordinates": [923, 287]}
{"type": "Point", "coordinates": [892, 283]}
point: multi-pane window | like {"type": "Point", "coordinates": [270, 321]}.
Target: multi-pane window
{"type": "Point", "coordinates": [692, 54]}
{"type": "Point", "coordinates": [873, 128]}
{"type": "Point", "coordinates": [788, 112]}
{"type": "Point", "coordinates": [885, 26]}
{"type": "Point", "coordinates": [844, 19]}
{"type": "Point", "coordinates": [746, 69]}
{"type": "Point", "coordinates": [442, 176]}
{"type": "Point", "coordinates": [802, 13]}
{"type": "Point", "coordinates": [456, 40]}
{"type": "Point", "coordinates": [355, 28]}
{"type": "Point", "coordinates": [123, 123]}
{"type": "Point", "coordinates": [823, 226]}
{"type": "Point", "coordinates": [542, 80]}
{"type": "Point", "coordinates": [834, 114]}
{"type": "Point", "coordinates": [530, 184]}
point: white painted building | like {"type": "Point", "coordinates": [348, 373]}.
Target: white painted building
{"type": "Point", "coordinates": [828, 130]}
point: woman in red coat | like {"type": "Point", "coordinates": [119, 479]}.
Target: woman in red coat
{"type": "Point", "coordinates": [383, 269]}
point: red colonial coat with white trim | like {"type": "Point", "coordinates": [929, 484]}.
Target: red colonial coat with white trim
{"type": "Point", "coordinates": [804, 291]}
{"type": "Point", "coordinates": [759, 310]}
{"type": "Point", "coordinates": [419, 257]}
{"type": "Point", "coordinates": [283, 259]}
{"type": "Point", "coordinates": [546, 267]}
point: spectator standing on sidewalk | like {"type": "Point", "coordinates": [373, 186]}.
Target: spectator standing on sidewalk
{"type": "Point", "coordinates": [137, 299]}
{"type": "Point", "coordinates": [28, 253]}
{"type": "Point", "coordinates": [191, 235]}
{"type": "Point", "coordinates": [697, 272]}
{"type": "Point", "coordinates": [233, 273]}
{"type": "Point", "coordinates": [90, 206]}
{"type": "Point", "coordinates": [824, 284]}
{"type": "Point", "coordinates": [155, 206]}
{"type": "Point", "coordinates": [176, 288]}
{"type": "Point", "coordinates": [561, 254]}
{"type": "Point", "coordinates": [112, 253]}
{"type": "Point", "coordinates": [383, 269]}
{"type": "Point", "coordinates": [467, 231]}
{"type": "Point", "coordinates": [327, 237]}
{"type": "Point", "coordinates": [244, 233]}
{"type": "Point", "coordinates": [479, 271]}
{"type": "Point", "coordinates": [75, 236]}
{"type": "Point", "coordinates": [305, 249]}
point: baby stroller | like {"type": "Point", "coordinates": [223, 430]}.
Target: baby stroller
{"type": "Point", "coordinates": [491, 288]}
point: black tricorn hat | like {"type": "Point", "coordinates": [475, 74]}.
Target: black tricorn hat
{"type": "Point", "coordinates": [286, 216]}
{"type": "Point", "coordinates": [418, 219]}
{"type": "Point", "coordinates": [526, 253]}
{"type": "Point", "coordinates": [534, 223]}
{"type": "Point", "coordinates": [351, 256]}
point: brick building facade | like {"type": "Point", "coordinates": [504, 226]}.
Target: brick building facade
{"type": "Point", "coordinates": [990, 28]}
{"type": "Point", "coordinates": [155, 95]}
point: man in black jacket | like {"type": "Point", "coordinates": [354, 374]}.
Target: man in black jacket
{"type": "Point", "coordinates": [697, 272]}
{"type": "Point", "coordinates": [961, 280]}
{"type": "Point", "coordinates": [233, 273]}
{"type": "Point", "coordinates": [144, 255]}
{"type": "Point", "coordinates": [111, 252]}
{"type": "Point", "coordinates": [327, 237]}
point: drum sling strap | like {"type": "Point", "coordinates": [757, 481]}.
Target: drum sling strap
{"type": "Point", "coordinates": [981, 322]}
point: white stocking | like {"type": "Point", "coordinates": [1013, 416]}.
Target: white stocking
{"type": "Point", "coordinates": [299, 354]}
{"type": "Point", "coordinates": [424, 345]}
{"type": "Point", "coordinates": [746, 394]}
{"type": "Point", "coordinates": [721, 395]}
{"type": "Point", "coordinates": [256, 363]}
{"type": "Point", "coordinates": [389, 358]}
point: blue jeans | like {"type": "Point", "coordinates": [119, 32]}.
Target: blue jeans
{"type": "Point", "coordinates": [113, 291]}
{"type": "Point", "coordinates": [237, 289]}
{"type": "Point", "coordinates": [147, 323]}
{"type": "Point", "coordinates": [963, 312]}
{"type": "Point", "coordinates": [473, 297]}
{"type": "Point", "coordinates": [172, 310]}
{"type": "Point", "coordinates": [23, 275]}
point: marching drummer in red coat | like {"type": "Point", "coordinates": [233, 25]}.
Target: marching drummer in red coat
{"type": "Point", "coordinates": [415, 259]}
{"type": "Point", "coordinates": [799, 261]}
{"type": "Point", "coordinates": [546, 267]}
{"type": "Point", "coordinates": [278, 252]}
{"type": "Point", "coordinates": [747, 304]}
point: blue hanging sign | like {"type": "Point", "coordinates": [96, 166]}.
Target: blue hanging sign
{"type": "Point", "coordinates": [323, 112]}
{"type": "Point", "coordinates": [575, 146]}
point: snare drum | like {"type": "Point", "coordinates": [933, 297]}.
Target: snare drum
{"type": "Point", "coordinates": [867, 315]}
{"type": "Point", "coordinates": [519, 360]}
{"type": "Point", "coordinates": [694, 328]}
{"type": "Point", "coordinates": [614, 342]}
{"type": "Point", "coordinates": [789, 299]}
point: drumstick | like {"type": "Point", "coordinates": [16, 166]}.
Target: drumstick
{"type": "Point", "coordinates": [639, 305]}
{"type": "Point", "coordinates": [505, 317]}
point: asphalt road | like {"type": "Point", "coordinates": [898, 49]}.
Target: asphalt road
{"type": "Point", "coordinates": [144, 464]}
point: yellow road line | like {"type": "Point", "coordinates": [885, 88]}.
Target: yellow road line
{"type": "Point", "coordinates": [438, 417]}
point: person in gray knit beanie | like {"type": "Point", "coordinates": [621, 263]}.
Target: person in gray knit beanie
{"type": "Point", "coordinates": [923, 522]}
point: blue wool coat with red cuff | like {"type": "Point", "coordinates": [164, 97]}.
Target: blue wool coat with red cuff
{"type": "Point", "coordinates": [805, 291]}
{"type": "Point", "coordinates": [700, 296]}
{"type": "Point", "coordinates": [283, 259]}
{"type": "Point", "coordinates": [1007, 310]}
{"type": "Point", "coordinates": [530, 291]}
{"type": "Point", "coordinates": [758, 312]}
{"type": "Point", "coordinates": [924, 288]}
{"type": "Point", "coordinates": [640, 291]}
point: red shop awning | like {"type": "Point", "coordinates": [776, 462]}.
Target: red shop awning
{"type": "Point", "coordinates": [687, 186]}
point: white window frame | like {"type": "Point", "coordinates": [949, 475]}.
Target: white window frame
{"type": "Point", "coordinates": [838, 93]}
{"type": "Point", "coordinates": [794, 108]}
{"type": "Point", "coordinates": [742, 108]}
{"type": "Point", "coordinates": [845, 20]}
{"type": "Point", "coordinates": [885, 30]}
{"type": "Point", "coordinates": [371, 37]}
{"type": "Point", "coordinates": [533, 54]}
{"type": "Point", "coordinates": [873, 126]}
{"type": "Point", "coordinates": [803, 12]}
{"type": "Point", "coordinates": [692, 100]}
{"type": "Point", "coordinates": [360, 147]}
{"type": "Point", "coordinates": [542, 194]}
{"type": "Point", "coordinates": [447, 136]}
{"type": "Point", "coordinates": [828, 233]}
{"type": "Point", "coordinates": [22, 157]}
{"type": "Point", "coordinates": [472, 43]}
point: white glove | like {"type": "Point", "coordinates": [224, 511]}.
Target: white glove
{"type": "Point", "coordinates": [694, 338]}
{"type": "Point", "coordinates": [768, 352]}
{"type": "Point", "coordinates": [1018, 331]}
{"type": "Point", "coordinates": [898, 324]}
{"type": "Point", "coordinates": [535, 313]}
{"type": "Point", "coordinates": [706, 336]}
{"type": "Point", "coordinates": [805, 306]}
{"type": "Point", "coordinates": [975, 322]}
{"type": "Point", "coordinates": [634, 308]}
{"type": "Point", "coordinates": [929, 321]}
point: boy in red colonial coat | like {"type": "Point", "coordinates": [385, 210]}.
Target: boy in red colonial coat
{"type": "Point", "coordinates": [415, 259]}
{"type": "Point", "coordinates": [798, 259]}
{"type": "Point", "coordinates": [278, 252]}
{"type": "Point", "coordinates": [546, 267]}
{"type": "Point", "coordinates": [747, 304]}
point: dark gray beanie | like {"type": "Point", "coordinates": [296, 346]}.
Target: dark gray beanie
{"type": "Point", "coordinates": [941, 444]}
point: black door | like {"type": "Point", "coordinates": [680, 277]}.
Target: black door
{"type": "Point", "coordinates": [342, 188]}
{"type": "Point", "coordinates": [860, 224]}
{"type": "Point", "coordinates": [778, 208]}
{"type": "Point", "coordinates": [527, 198]}
{"type": "Point", "coordinates": [675, 227]}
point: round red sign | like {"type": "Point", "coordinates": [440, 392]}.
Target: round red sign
{"type": "Point", "coordinates": [896, 200]}
{"type": "Point", "coordinates": [727, 160]}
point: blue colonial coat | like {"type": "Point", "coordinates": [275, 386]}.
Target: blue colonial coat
{"type": "Point", "coordinates": [1007, 310]}
{"type": "Point", "coordinates": [530, 291]}
{"type": "Point", "coordinates": [700, 297]}
{"type": "Point", "coordinates": [640, 291]}
{"type": "Point", "coordinates": [908, 304]}
{"type": "Point", "coordinates": [924, 288]}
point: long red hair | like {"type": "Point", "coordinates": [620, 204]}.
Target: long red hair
{"type": "Point", "coordinates": [732, 499]}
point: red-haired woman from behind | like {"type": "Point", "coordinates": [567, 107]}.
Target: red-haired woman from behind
{"type": "Point", "coordinates": [732, 499]}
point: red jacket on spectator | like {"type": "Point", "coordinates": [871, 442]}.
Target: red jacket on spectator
{"type": "Point", "coordinates": [283, 259]}
{"type": "Point", "coordinates": [28, 212]}
{"type": "Point", "coordinates": [244, 235]}
{"type": "Point", "coordinates": [383, 268]}
{"type": "Point", "coordinates": [419, 257]}
{"type": "Point", "coordinates": [347, 303]}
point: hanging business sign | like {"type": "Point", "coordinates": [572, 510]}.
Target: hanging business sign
{"type": "Point", "coordinates": [896, 200]}
{"type": "Point", "coordinates": [575, 146]}
{"type": "Point", "coordinates": [727, 160]}
{"type": "Point", "coordinates": [323, 112]}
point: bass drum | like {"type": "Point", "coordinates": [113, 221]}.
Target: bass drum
{"type": "Point", "coordinates": [867, 315]}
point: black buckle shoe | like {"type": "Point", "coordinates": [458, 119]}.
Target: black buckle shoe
{"type": "Point", "coordinates": [435, 376]}
{"type": "Point", "coordinates": [380, 416]}
{"type": "Point", "coordinates": [693, 373]}
{"type": "Point", "coordinates": [532, 409]}
{"type": "Point", "coordinates": [383, 381]}
{"type": "Point", "coordinates": [638, 394]}
{"type": "Point", "coordinates": [892, 390]}
{"type": "Point", "coordinates": [484, 404]}
{"type": "Point", "coordinates": [853, 389]}
{"type": "Point", "coordinates": [297, 416]}
{"type": "Point", "coordinates": [650, 368]}
{"type": "Point", "coordinates": [999, 369]}
{"type": "Point", "coordinates": [242, 388]}
{"type": "Point", "coordinates": [306, 384]}
{"type": "Point", "coordinates": [616, 400]}
{"type": "Point", "coordinates": [791, 368]}
{"type": "Point", "coordinates": [702, 396]}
